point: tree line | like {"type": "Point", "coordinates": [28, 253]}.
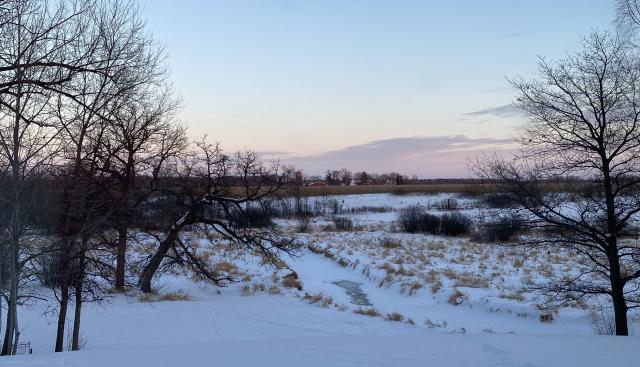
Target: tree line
{"type": "Point", "coordinates": [345, 177]}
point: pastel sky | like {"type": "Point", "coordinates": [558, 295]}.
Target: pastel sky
{"type": "Point", "coordinates": [417, 87]}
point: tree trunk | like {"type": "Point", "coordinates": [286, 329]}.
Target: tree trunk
{"type": "Point", "coordinates": [617, 296]}
{"type": "Point", "coordinates": [121, 256]}
{"type": "Point", "coordinates": [16, 336]}
{"type": "Point", "coordinates": [6, 347]}
{"type": "Point", "coordinates": [615, 277]}
{"type": "Point", "coordinates": [154, 263]}
{"type": "Point", "coordinates": [12, 307]}
{"type": "Point", "coordinates": [75, 342]}
{"type": "Point", "coordinates": [15, 227]}
{"type": "Point", "coordinates": [62, 317]}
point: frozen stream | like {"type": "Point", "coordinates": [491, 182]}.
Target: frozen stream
{"type": "Point", "coordinates": [358, 297]}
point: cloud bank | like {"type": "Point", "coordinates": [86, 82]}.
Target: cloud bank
{"type": "Point", "coordinates": [504, 111]}
{"type": "Point", "coordinates": [429, 157]}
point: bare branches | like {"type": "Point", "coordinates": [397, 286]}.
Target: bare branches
{"type": "Point", "coordinates": [583, 120]}
{"type": "Point", "coordinates": [215, 192]}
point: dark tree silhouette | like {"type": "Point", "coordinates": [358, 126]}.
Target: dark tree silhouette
{"type": "Point", "coordinates": [584, 120]}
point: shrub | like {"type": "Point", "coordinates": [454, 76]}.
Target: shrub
{"type": "Point", "coordinates": [414, 219]}
{"type": "Point", "coordinates": [303, 225]}
{"type": "Point", "coordinates": [342, 223]}
{"type": "Point", "coordinates": [430, 223]}
{"type": "Point", "coordinates": [499, 200]}
{"type": "Point", "coordinates": [254, 217]}
{"type": "Point", "coordinates": [454, 224]}
{"type": "Point", "coordinates": [502, 230]}
{"type": "Point", "coordinates": [410, 217]}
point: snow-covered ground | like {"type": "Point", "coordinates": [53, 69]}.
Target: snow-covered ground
{"type": "Point", "coordinates": [432, 301]}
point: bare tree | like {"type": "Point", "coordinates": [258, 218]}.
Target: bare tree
{"type": "Point", "coordinates": [215, 191]}
{"type": "Point", "coordinates": [583, 121]}
{"type": "Point", "coordinates": [345, 176]}
{"type": "Point", "coordinates": [143, 135]}
{"type": "Point", "coordinates": [40, 53]}
{"type": "Point", "coordinates": [47, 51]}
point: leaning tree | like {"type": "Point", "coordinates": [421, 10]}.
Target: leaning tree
{"type": "Point", "coordinates": [583, 120]}
{"type": "Point", "coordinates": [205, 189]}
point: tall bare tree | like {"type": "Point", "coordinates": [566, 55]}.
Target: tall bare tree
{"type": "Point", "coordinates": [143, 135]}
{"type": "Point", "coordinates": [583, 120]}
{"type": "Point", "coordinates": [46, 49]}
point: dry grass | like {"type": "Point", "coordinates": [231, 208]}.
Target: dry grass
{"type": "Point", "coordinates": [547, 316]}
{"type": "Point", "coordinates": [436, 286]}
{"type": "Point", "coordinates": [435, 324]}
{"type": "Point", "coordinates": [291, 282]}
{"type": "Point", "coordinates": [394, 316]}
{"type": "Point", "coordinates": [166, 297]}
{"type": "Point", "coordinates": [389, 243]}
{"type": "Point", "coordinates": [516, 296]}
{"type": "Point", "coordinates": [372, 312]}
{"type": "Point", "coordinates": [466, 188]}
{"type": "Point", "coordinates": [319, 298]}
{"type": "Point", "coordinates": [457, 297]}
{"type": "Point", "coordinates": [224, 266]}
{"type": "Point", "coordinates": [471, 281]}
{"type": "Point", "coordinates": [414, 287]}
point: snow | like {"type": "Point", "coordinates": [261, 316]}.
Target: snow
{"type": "Point", "coordinates": [259, 322]}
{"type": "Point", "coordinates": [398, 350]}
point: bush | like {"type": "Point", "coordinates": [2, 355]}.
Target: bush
{"type": "Point", "coordinates": [454, 224]}
{"type": "Point", "coordinates": [410, 218]}
{"type": "Point", "coordinates": [343, 223]}
{"type": "Point", "coordinates": [499, 200]}
{"type": "Point", "coordinates": [414, 219]}
{"type": "Point", "coordinates": [303, 225]}
{"type": "Point", "coordinates": [430, 223]}
{"type": "Point", "coordinates": [253, 217]}
{"type": "Point", "coordinates": [502, 230]}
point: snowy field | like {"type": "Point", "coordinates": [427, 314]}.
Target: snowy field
{"type": "Point", "coordinates": [372, 296]}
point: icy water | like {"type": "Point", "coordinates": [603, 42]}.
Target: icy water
{"type": "Point", "coordinates": [353, 290]}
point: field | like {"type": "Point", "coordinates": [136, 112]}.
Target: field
{"type": "Point", "coordinates": [360, 292]}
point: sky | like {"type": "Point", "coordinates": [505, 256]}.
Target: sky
{"type": "Point", "coordinates": [417, 87]}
